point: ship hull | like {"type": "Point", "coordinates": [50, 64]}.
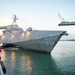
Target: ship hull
{"type": "Point", "coordinates": [43, 45]}
{"type": "Point", "coordinates": [38, 41]}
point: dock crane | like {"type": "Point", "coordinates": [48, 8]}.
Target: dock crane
{"type": "Point", "coordinates": [64, 22]}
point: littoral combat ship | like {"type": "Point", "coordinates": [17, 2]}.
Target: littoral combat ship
{"type": "Point", "coordinates": [30, 40]}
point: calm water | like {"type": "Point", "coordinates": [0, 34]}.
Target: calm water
{"type": "Point", "coordinates": [60, 62]}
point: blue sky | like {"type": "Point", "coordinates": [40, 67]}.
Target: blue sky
{"type": "Point", "coordinates": [38, 14]}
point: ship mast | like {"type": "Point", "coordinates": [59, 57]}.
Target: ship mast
{"type": "Point", "coordinates": [14, 20]}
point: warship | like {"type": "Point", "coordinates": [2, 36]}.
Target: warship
{"type": "Point", "coordinates": [30, 40]}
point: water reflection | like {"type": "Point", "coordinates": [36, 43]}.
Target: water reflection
{"type": "Point", "coordinates": [13, 59]}
{"type": "Point", "coordinates": [3, 55]}
{"type": "Point", "coordinates": [20, 61]}
{"type": "Point", "coordinates": [30, 63]}
{"type": "Point", "coordinates": [26, 63]}
{"type": "Point", "coordinates": [61, 61]}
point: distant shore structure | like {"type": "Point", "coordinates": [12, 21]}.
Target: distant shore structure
{"type": "Point", "coordinates": [64, 22]}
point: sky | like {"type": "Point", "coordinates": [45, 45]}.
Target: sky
{"type": "Point", "coordinates": [38, 14]}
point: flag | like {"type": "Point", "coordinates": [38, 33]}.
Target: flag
{"type": "Point", "coordinates": [0, 50]}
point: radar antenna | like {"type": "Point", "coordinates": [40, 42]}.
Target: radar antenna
{"type": "Point", "coordinates": [15, 19]}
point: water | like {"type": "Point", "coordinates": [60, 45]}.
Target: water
{"type": "Point", "coordinates": [60, 62]}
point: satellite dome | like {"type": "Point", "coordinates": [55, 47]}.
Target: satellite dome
{"type": "Point", "coordinates": [29, 29]}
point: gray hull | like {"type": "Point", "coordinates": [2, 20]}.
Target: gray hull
{"type": "Point", "coordinates": [36, 40]}
{"type": "Point", "coordinates": [40, 45]}
{"type": "Point", "coordinates": [42, 41]}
